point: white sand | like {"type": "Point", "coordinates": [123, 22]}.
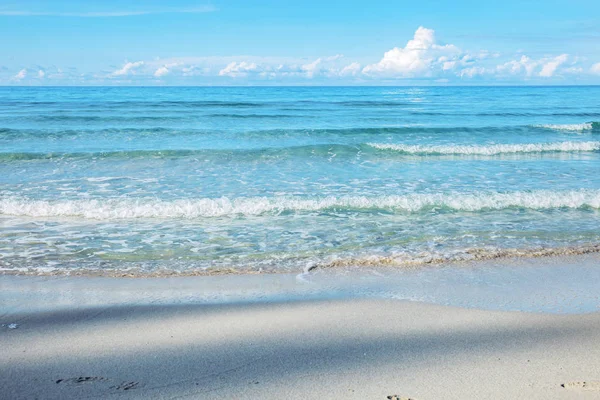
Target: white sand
{"type": "Point", "coordinates": [257, 347]}
{"type": "Point", "coordinates": [351, 349]}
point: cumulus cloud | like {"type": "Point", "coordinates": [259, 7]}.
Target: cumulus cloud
{"type": "Point", "coordinates": [418, 58]}
{"type": "Point", "coordinates": [21, 74]}
{"type": "Point", "coordinates": [573, 70]}
{"type": "Point", "coordinates": [524, 65]}
{"type": "Point", "coordinates": [128, 68]}
{"type": "Point", "coordinates": [447, 65]}
{"type": "Point", "coordinates": [322, 66]}
{"type": "Point", "coordinates": [550, 67]}
{"type": "Point", "coordinates": [546, 67]}
{"type": "Point", "coordinates": [334, 58]}
{"type": "Point", "coordinates": [424, 57]}
{"type": "Point", "coordinates": [421, 57]}
{"type": "Point", "coordinates": [162, 71]}
{"type": "Point", "coordinates": [194, 70]}
{"type": "Point", "coordinates": [312, 68]}
{"type": "Point", "coordinates": [238, 69]}
{"type": "Point", "coordinates": [350, 69]}
{"type": "Point", "coordinates": [472, 72]}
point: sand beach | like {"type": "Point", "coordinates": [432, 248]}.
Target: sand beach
{"type": "Point", "coordinates": [268, 337]}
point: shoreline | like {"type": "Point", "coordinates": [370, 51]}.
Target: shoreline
{"type": "Point", "coordinates": [469, 256]}
{"type": "Point", "coordinates": [565, 284]}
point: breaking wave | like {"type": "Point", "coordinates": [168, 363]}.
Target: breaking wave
{"type": "Point", "coordinates": [320, 150]}
{"type": "Point", "coordinates": [570, 127]}
{"type": "Point", "coordinates": [106, 209]}
{"type": "Point", "coordinates": [488, 150]}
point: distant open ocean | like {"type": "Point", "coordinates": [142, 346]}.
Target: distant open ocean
{"type": "Point", "coordinates": [194, 180]}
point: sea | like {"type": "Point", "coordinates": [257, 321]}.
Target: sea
{"type": "Point", "coordinates": [207, 180]}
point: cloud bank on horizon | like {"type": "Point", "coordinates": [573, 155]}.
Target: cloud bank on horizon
{"type": "Point", "coordinates": [423, 59]}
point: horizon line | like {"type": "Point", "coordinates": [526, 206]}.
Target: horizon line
{"type": "Point", "coordinates": [291, 86]}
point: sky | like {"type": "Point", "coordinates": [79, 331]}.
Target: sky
{"type": "Point", "coordinates": [309, 42]}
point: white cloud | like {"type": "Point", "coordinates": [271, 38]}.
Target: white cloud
{"type": "Point", "coordinates": [472, 72]}
{"type": "Point", "coordinates": [485, 54]}
{"type": "Point", "coordinates": [515, 67]}
{"type": "Point", "coordinates": [421, 57]}
{"type": "Point", "coordinates": [334, 58]}
{"type": "Point", "coordinates": [350, 70]}
{"type": "Point", "coordinates": [312, 68]}
{"type": "Point", "coordinates": [265, 68]}
{"type": "Point", "coordinates": [21, 74]}
{"type": "Point", "coordinates": [545, 67]}
{"type": "Point", "coordinates": [573, 70]}
{"type": "Point", "coordinates": [418, 58]}
{"type": "Point", "coordinates": [550, 67]}
{"type": "Point", "coordinates": [162, 71]}
{"type": "Point", "coordinates": [194, 70]}
{"type": "Point", "coordinates": [238, 69]}
{"type": "Point", "coordinates": [448, 65]}
{"type": "Point", "coordinates": [128, 68]}
{"type": "Point", "coordinates": [106, 14]}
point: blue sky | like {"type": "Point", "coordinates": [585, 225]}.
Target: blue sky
{"type": "Point", "coordinates": [459, 42]}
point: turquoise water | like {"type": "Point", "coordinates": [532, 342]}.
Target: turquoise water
{"type": "Point", "coordinates": [285, 178]}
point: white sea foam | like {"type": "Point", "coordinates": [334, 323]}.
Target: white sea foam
{"type": "Point", "coordinates": [489, 150]}
{"type": "Point", "coordinates": [567, 127]}
{"type": "Point", "coordinates": [222, 207]}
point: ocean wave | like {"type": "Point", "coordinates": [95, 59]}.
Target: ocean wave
{"type": "Point", "coordinates": [488, 150]}
{"type": "Point", "coordinates": [25, 156]}
{"type": "Point", "coordinates": [258, 116]}
{"type": "Point", "coordinates": [318, 150]}
{"type": "Point", "coordinates": [11, 133]}
{"type": "Point", "coordinates": [203, 104]}
{"type": "Point", "coordinates": [583, 114]}
{"type": "Point", "coordinates": [104, 118]}
{"type": "Point", "coordinates": [251, 206]}
{"type": "Point", "coordinates": [346, 132]}
{"type": "Point", "coordinates": [136, 103]}
{"type": "Point", "coordinates": [538, 114]}
{"type": "Point", "coordinates": [570, 127]}
{"type": "Point", "coordinates": [341, 151]}
{"type": "Point", "coordinates": [14, 133]}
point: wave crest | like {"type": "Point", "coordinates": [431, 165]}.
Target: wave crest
{"type": "Point", "coordinates": [489, 150]}
{"type": "Point", "coordinates": [249, 206]}
{"type": "Point", "coordinates": [570, 127]}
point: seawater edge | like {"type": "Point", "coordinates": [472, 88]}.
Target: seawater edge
{"type": "Point", "coordinates": [557, 284]}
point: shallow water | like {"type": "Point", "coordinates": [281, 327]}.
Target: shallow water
{"type": "Point", "coordinates": [281, 179]}
{"type": "Point", "coordinates": [557, 285]}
